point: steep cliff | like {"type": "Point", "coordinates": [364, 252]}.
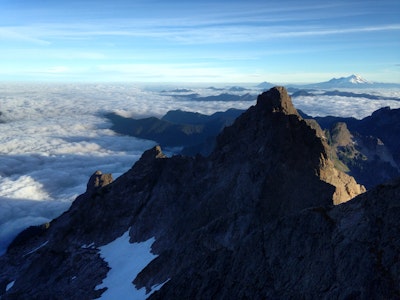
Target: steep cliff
{"type": "Point", "coordinates": [255, 219]}
{"type": "Point", "coordinates": [383, 124]}
{"type": "Point", "coordinates": [365, 157]}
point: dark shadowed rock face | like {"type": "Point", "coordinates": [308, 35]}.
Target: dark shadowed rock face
{"type": "Point", "coordinates": [384, 124]}
{"type": "Point", "coordinates": [253, 220]}
{"type": "Point", "coordinates": [348, 251]}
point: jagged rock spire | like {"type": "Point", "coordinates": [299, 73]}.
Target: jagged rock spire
{"type": "Point", "coordinates": [153, 153]}
{"type": "Point", "coordinates": [273, 133]}
{"type": "Point", "coordinates": [277, 99]}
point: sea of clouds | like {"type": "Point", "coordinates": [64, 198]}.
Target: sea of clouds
{"type": "Point", "coordinates": [357, 107]}
{"type": "Point", "coordinates": [54, 136]}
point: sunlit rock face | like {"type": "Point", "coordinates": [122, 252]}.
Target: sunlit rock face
{"type": "Point", "coordinates": [366, 149]}
{"type": "Point", "coordinates": [98, 180]}
{"type": "Point", "coordinates": [254, 219]}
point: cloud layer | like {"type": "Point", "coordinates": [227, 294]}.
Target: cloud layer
{"type": "Point", "coordinates": [357, 107]}
{"type": "Point", "coordinates": [54, 137]}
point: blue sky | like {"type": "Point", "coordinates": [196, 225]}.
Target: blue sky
{"type": "Point", "coordinates": [199, 41]}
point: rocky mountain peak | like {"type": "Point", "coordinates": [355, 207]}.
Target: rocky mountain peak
{"type": "Point", "coordinates": [153, 153]}
{"type": "Point", "coordinates": [276, 139]}
{"type": "Point", "coordinates": [276, 99]}
{"type": "Point", "coordinates": [341, 135]}
{"type": "Point", "coordinates": [149, 157]}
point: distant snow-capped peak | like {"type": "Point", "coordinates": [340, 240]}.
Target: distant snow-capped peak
{"type": "Point", "coordinates": [357, 79]}
{"type": "Point", "coordinates": [351, 80]}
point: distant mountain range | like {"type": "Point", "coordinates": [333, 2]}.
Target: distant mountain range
{"type": "Point", "coordinates": [193, 131]}
{"type": "Point", "coordinates": [333, 87]}
{"type": "Point", "coordinates": [219, 97]}
{"type": "Point", "coordinates": [352, 81]}
{"type": "Point", "coordinates": [335, 92]}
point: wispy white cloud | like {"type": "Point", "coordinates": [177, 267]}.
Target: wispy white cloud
{"type": "Point", "coordinates": [213, 23]}
{"type": "Point", "coordinates": [170, 32]}
{"type": "Point", "coordinates": [20, 34]}
{"type": "Point", "coordinates": [45, 34]}
{"type": "Point", "coordinates": [334, 31]}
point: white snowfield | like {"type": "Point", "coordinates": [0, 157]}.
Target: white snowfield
{"type": "Point", "coordinates": [126, 260]}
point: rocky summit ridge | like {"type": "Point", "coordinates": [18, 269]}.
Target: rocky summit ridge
{"type": "Point", "coordinates": [255, 219]}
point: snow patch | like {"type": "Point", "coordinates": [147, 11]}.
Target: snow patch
{"type": "Point", "coordinates": [36, 249]}
{"type": "Point", "coordinates": [10, 285]}
{"type": "Point", "coordinates": [156, 287]}
{"type": "Point", "coordinates": [90, 246]}
{"type": "Point", "coordinates": [126, 260]}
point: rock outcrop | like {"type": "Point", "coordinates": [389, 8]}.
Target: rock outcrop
{"type": "Point", "coordinates": [97, 181]}
{"type": "Point", "coordinates": [383, 124]}
{"type": "Point", "coordinates": [255, 219]}
{"type": "Point", "coordinates": [365, 157]}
